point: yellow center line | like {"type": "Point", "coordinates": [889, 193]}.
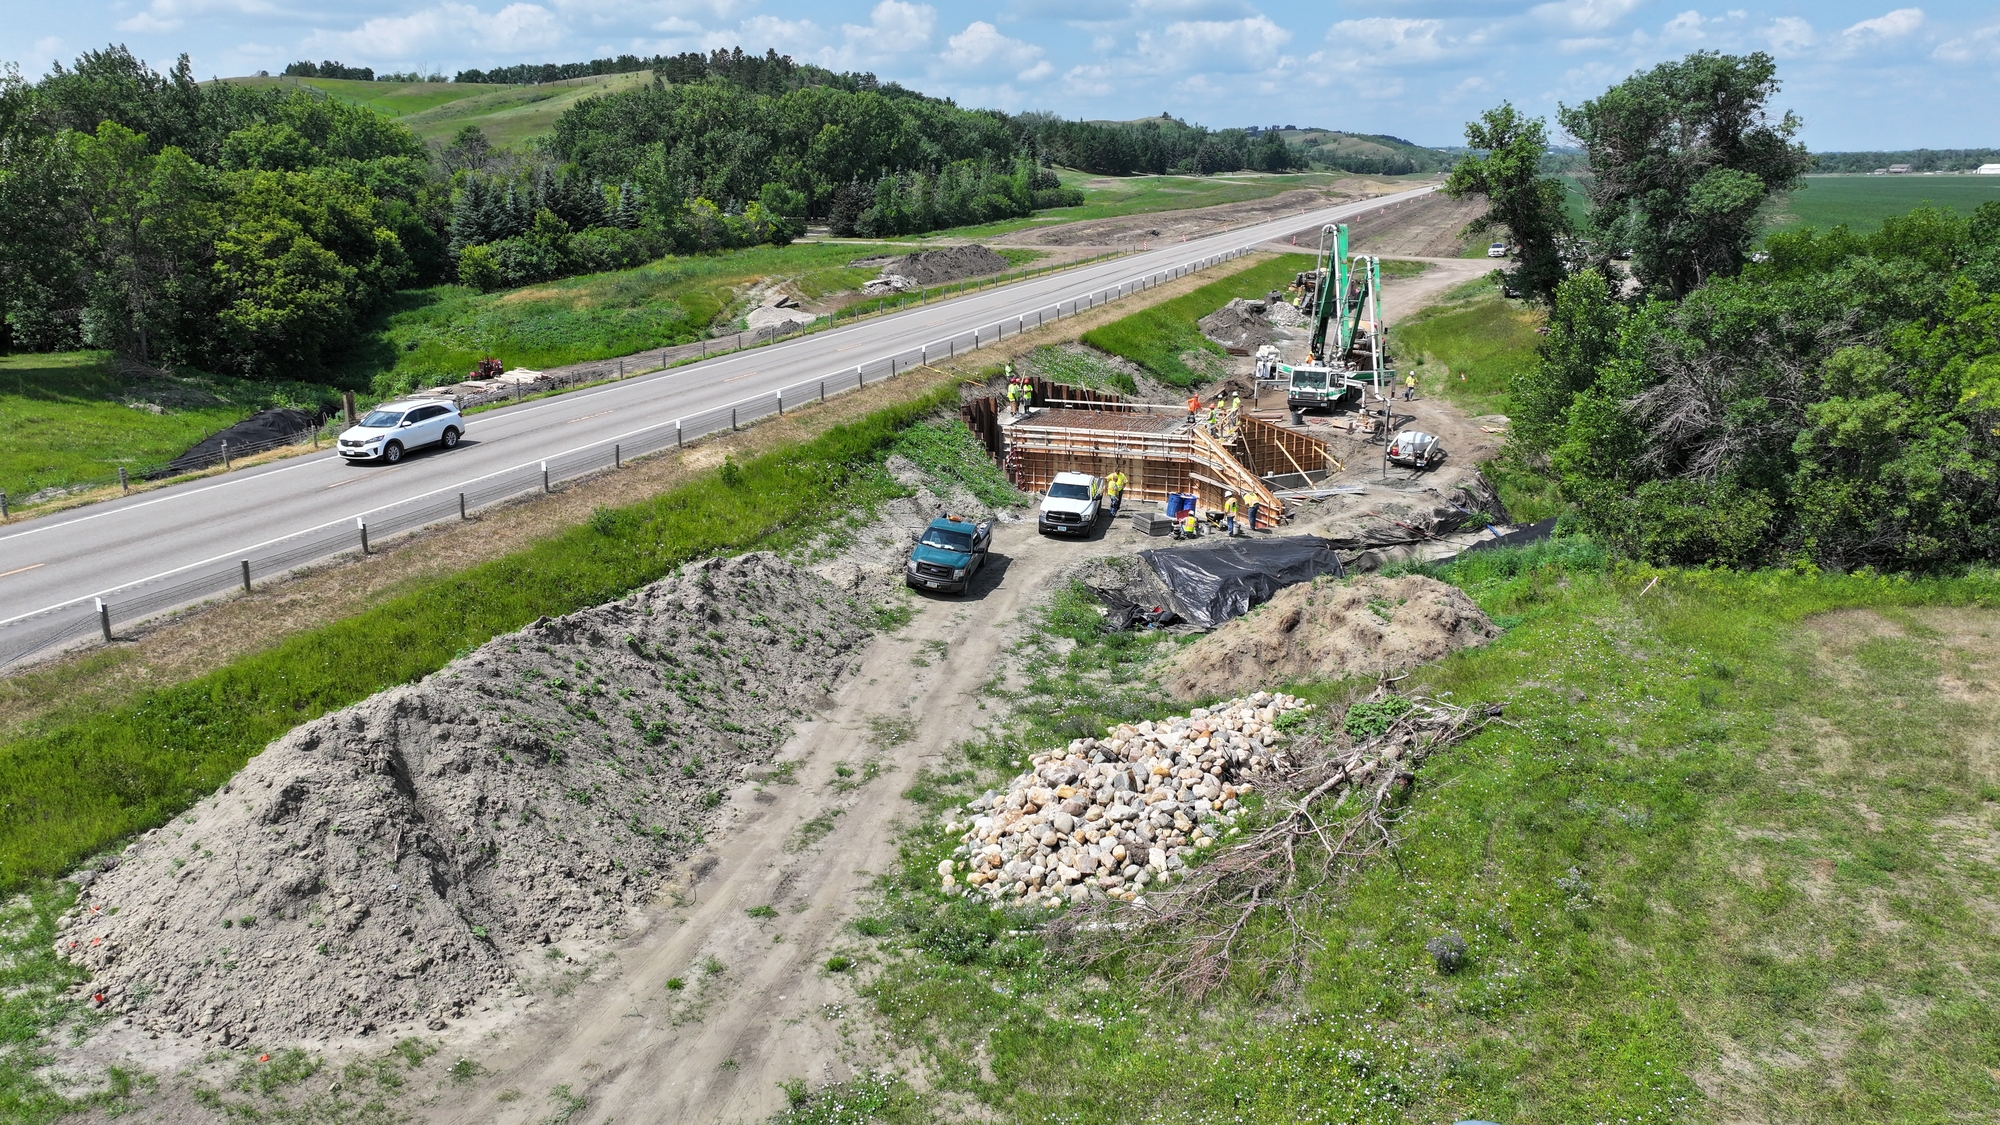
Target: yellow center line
{"type": "Point", "coordinates": [745, 375]}
{"type": "Point", "coordinates": [20, 570]}
{"type": "Point", "coordinates": [586, 418]}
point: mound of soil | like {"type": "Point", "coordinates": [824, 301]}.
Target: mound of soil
{"type": "Point", "coordinates": [1327, 630]}
{"type": "Point", "coordinates": [947, 263]}
{"type": "Point", "coordinates": [398, 859]}
{"type": "Point", "coordinates": [1248, 325]}
{"type": "Point", "coordinates": [258, 431]}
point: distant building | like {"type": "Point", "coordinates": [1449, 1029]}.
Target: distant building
{"type": "Point", "coordinates": [1898, 169]}
{"type": "Point", "coordinates": [1989, 169]}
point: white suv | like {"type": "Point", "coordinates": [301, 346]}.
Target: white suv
{"type": "Point", "coordinates": [1071, 504]}
{"type": "Point", "coordinates": [394, 428]}
{"type": "Point", "coordinates": [1497, 250]}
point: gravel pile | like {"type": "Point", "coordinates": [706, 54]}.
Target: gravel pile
{"type": "Point", "coordinates": [946, 263]}
{"type": "Point", "coordinates": [1114, 815]}
{"type": "Point", "coordinates": [1248, 325]}
{"type": "Point", "coordinates": [395, 861]}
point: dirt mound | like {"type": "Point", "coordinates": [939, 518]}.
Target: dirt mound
{"type": "Point", "coordinates": [259, 431]}
{"type": "Point", "coordinates": [1247, 325]}
{"type": "Point", "coordinates": [1328, 629]}
{"type": "Point", "coordinates": [395, 860]}
{"type": "Point", "coordinates": [947, 263]}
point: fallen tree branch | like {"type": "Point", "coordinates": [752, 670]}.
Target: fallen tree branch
{"type": "Point", "coordinates": [1341, 810]}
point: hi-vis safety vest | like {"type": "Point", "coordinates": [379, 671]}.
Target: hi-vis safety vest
{"type": "Point", "coordinates": [1229, 505]}
{"type": "Point", "coordinates": [1187, 523]}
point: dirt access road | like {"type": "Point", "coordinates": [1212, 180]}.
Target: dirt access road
{"type": "Point", "coordinates": [716, 1050]}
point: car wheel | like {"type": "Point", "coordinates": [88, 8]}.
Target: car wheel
{"type": "Point", "coordinates": [450, 438]}
{"type": "Point", "coordinates": [392, 452]}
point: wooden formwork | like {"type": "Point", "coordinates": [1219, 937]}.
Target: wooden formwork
{"type": "Point", "coordinates": [1270, 450]}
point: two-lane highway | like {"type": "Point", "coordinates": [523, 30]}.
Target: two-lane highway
{"type": "Point", "coordinates": [108, 549]}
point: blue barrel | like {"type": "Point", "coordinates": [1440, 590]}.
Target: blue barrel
{"type": "Point", "coordinates": [1179, 502]}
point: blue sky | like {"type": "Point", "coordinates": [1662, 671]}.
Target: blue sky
{"type": "Point", "coordinates": [1862, 74]}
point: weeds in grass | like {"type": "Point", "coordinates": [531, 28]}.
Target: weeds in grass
{"type": "Point", "coordinates": [812, 831]}
{"type": "Point", "coordinates": [868, 1097]}
{"type": "Point", "coordinates": [947, 450]}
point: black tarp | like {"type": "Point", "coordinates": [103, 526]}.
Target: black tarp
{"type": "Point", "coordinates": [1519, 537]}
{"type": "Point", "coordinates": [1209, 585]}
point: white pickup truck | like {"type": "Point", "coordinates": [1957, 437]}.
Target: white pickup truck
{"type": "Point", "coordinates": [1071, 504]}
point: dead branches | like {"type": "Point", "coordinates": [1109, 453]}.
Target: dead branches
{"type": "Point", "coordinates": [1253, 903]}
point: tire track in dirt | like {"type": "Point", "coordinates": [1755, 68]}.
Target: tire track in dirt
{"type": "Point", "coordinates": [717, 1049]}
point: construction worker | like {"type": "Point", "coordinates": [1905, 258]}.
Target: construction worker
{"type": "Point", "coordinates": [1014, 399]}
{"type": "Point", "coordinates": [1189, 527]}
{"type": "Point", "coordinates": [1236, 402]}
{"type": "Point", "coordinates": [1409, 386]}
{"type": "Point", "coordinates": [1114, 488]}
{"type": "Point", "coordinates": [1194, 408]}
{"type": "Point", "coordinates": [1229, 513]}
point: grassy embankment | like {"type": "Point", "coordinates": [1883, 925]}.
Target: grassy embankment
{"type": "Point", "coordinates": [433, 335]}
{"type": "Point", "coordinates": [82, 786]}
{"type": "Point", "coordinates": [72, 417]}
{"type": "Point", "coordinates": [1467, 348]}
{"type": "Point", "coordinates": [1166, 339]}
{"type": "Point", "coordinates": [1729, 857]}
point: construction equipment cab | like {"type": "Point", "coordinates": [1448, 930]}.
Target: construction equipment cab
{"type": "Point", "coordinates": [1071, 504]}
{"type": "Point", "coordinates": [948, 554]}
{"type": "Point", "coordinates": [1314, 386]}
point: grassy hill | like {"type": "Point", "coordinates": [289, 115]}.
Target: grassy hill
{"type": "Point", "coordinates": [509, 115]}
{"type": "Point", "coordinates": [1341, 148]}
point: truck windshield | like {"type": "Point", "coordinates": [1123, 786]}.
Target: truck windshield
{"type": "Point", "coordinates": [1314, 380]}
{"type": "Point", "coordinates": [382, 419]}
{"type": "Point", "coordinates": [948, 540]}
{"type": "Point", "coordinates": [1069, 492]}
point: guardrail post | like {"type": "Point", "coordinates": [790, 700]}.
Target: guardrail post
{"type": "Point", "coordinates": [678, 443]}
{"type": "Point", "coordinates": [125, 482]}
{"type": "Point", "coordinates": [780, 396]}
{"type": "Point", "coordinates": [621, 369]}
{"type": "Point", "coordinates": [732, 418]}
{"type": "Point", "coordinates": [860, 380]}
{"type": "Point", "coordinates": [246, 576]}
{"type": "Point", "coordinates": [225, 455]}
{"type": "Point", "coordinates": [617, 457]}
{"type": "Point", "coordinates": [361, 525]}
{"type": "Point", "coordinates": [461, 505]}
{"type": "Point", "coordinates": [545, 476]}
{"type": "Point", "coordinates": [104, 619]}
{"type": "Point", "coordinates": [3, 504]}
{"type": "Point", "coordinates": [822, 390]}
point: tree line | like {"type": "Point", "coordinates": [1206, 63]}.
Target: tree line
{"type": "Point", "coordinates": [1825, 400]}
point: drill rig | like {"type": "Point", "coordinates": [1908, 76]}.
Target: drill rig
{"type": "Point", "coordinates": [1347, 352]}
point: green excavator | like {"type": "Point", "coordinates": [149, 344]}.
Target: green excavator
{"type": "Point", "coordinates": [1346, 353]}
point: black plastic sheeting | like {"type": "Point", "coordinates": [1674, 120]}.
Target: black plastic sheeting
{"type": "Point", "coordinates": [1209, 585]}
{"type": "Point", "coordinates": [1519, 537]}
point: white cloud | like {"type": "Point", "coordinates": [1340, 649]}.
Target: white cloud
{"type": "Point", "coordinates": [1893, 25]}
{"type": "Point", "coordinates": [1790, 35]}
{"type": "Point", "coordinates": [516, 27]}
{"type": "Point", "coordinates": [1981, 44]}
{"type": "Point", "coordinates": [981, 47]}
{"type": "Point", "coordinates": [1684, 27]}
{"type": "Point", "coordinates": [1585, 15]}
{"type": "Point", "coordinates": [170, 15]}
{"type": "Point", "coordinates": [1196, 45]}
{"type": "Point", "coordinates": [893, 28]}
{"type": "Point", "coordinates": [1385, 41]}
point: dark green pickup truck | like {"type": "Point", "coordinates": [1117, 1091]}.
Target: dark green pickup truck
{"type": "Point", "coordinates": [948, 554]}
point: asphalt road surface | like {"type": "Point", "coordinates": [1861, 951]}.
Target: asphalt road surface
{"type": "Point", "coordinates": [53, 567]}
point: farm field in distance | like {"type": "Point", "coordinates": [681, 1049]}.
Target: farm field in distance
{"type": "Point", "coordinates": [1862, 202]}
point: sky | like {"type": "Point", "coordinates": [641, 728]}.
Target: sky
{"type": "Point", "coordinates": [1863, 74]}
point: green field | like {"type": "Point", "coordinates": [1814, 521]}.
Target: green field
{"type": "Point", "coordinates": [1728, 858]}
{"type": "Point", "coordinates": [508, 115]}
{"type": "Point", "coordinates": [72, 418]}
{"type": "Point", "coordinates": [1862, 202]}
{"type": "Point", "coordinates": [1476, 333]}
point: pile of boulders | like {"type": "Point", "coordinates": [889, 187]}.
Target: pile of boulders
{"type": "Point", "coordinates": [1111, 816]}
